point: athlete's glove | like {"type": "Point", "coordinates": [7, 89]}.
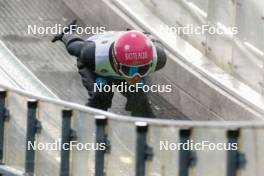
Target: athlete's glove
{"type": "Point", "coordinates": [70, 27]}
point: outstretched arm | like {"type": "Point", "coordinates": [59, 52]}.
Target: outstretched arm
{"type": "Point", "coordinates": [74, 44]}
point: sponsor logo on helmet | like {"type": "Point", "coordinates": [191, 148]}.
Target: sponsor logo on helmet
{"type": "Point", "coordinates": [136, 56]}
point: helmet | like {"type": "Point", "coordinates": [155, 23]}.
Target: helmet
{"type": "Point", "coordinates": [133, 54]}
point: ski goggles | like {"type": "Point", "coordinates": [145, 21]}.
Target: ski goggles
{"type": "Point", "coordinates": [132, 71]}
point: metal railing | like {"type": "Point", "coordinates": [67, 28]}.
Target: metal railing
{"type": "Point", "coordinates": [132, 145]}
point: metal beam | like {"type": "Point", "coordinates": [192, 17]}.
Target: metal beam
{"type": "Point", "coordinates": [3, 117]}
{"type": "Point", "coordinates": [101, 137]}
{"type": "Point", "coordinates": [187, 157]}
{"type": "Point", "coordinates": [33, 126]}
{"type": "Point", "coordinates": [235, 159]}
{"type": "Point", "coordinates": [65, 141]}
{"type": "Point", "coordinates": [143, 151]}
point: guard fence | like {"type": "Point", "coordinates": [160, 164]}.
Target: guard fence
{"type": "Point", "coordinates": [43, 136]}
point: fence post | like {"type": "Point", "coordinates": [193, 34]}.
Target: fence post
{"type": "Point", "coordinates": [33, 126]}
{"type": "Point", "coordinates": [67, 134]}
{"type": "Point", "coordinates": [235, 159]}
{"type": "Point", "coordinates": [3, 117]}
{"type": "Point", "coordinates": [143, 151]}
{"type": "Point", "coordinates": [187, 157]}
{"type": "Point", "coordinates": [101, 137]}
